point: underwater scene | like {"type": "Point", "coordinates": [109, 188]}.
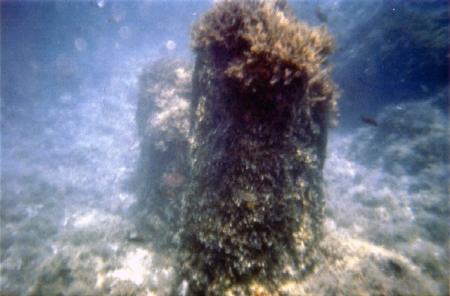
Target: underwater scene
{"type": "Point", "coordinates": [226, 147]}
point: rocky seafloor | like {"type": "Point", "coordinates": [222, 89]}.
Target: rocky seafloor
{"type": "Point", "coordinates": [69, 145]}
{"type": "Point", "coordinates": [66, 227]}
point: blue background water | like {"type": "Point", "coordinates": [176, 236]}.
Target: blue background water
{"type": "Point", "coordinates": [68, 92]}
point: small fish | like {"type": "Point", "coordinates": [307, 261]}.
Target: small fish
{"type": "Point", "coordinates": [369, 120]}
{"type": "Point", "coordinates": [321, 16]}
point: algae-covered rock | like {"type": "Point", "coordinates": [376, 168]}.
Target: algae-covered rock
{"type": "Point", "coordinates": [54, 278]}
{"type": "Point", "coordinates": [261, 102]}
{"type": "Point", "coordinates": [163, 124]}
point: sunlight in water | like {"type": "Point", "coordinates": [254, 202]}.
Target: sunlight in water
{"type": "Point", "coordinates": [134, 267]}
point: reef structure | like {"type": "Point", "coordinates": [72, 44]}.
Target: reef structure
{"type": "Point", "coordinates": [162, 119]}
{"type": "Point", "coordinates": [262, 100]}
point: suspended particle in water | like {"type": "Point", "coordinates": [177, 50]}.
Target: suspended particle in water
{"type": "Point", "coordinates": [101, 3]}
{"type": "Point", "coordinates": [35, 67]}
{"type": "Point", "coordinates": [171, 45]}
{"type": "Point", "coordinates": [65, 98]}
{"type": "Point", "coordinates": [124, 32]}
{"type": "Point", "coordinates": [65, 66]}
{"type": "Point", "coordinates": [118, 13]}
{"type": "Point", "coordinates": [80, 44]}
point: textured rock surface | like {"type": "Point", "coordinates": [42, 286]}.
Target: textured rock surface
{"type": "Point", "coordinates": [350, 266]}
{"type": "Point", "coordinates": [95, 256]}
{"type": "Point", "coordinates": [393, 178]}
{"type": "Point", "coordinates": [262, 99]}
{"type": "Point", "coordinates": [162, 119]}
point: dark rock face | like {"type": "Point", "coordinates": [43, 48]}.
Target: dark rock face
{"type": "Point", "coordinates": [262, 99]}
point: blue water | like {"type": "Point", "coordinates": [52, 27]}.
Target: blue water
{"type": "Point", "coordinates": [69, 73]}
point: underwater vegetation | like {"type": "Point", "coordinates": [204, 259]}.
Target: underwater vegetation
{"type": "Point", "coordinates": [250, 134]}
{"type": "Point", "coordinates": [261, 103]}
{"type": "Point", "coordinates": [156, 176]}
{"type": "Point", "coordinates": [98, 253]}
{"type": "Point", "coordinates": [162, 119]}
{"type": "Point", "coordinates": [238, 153]}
